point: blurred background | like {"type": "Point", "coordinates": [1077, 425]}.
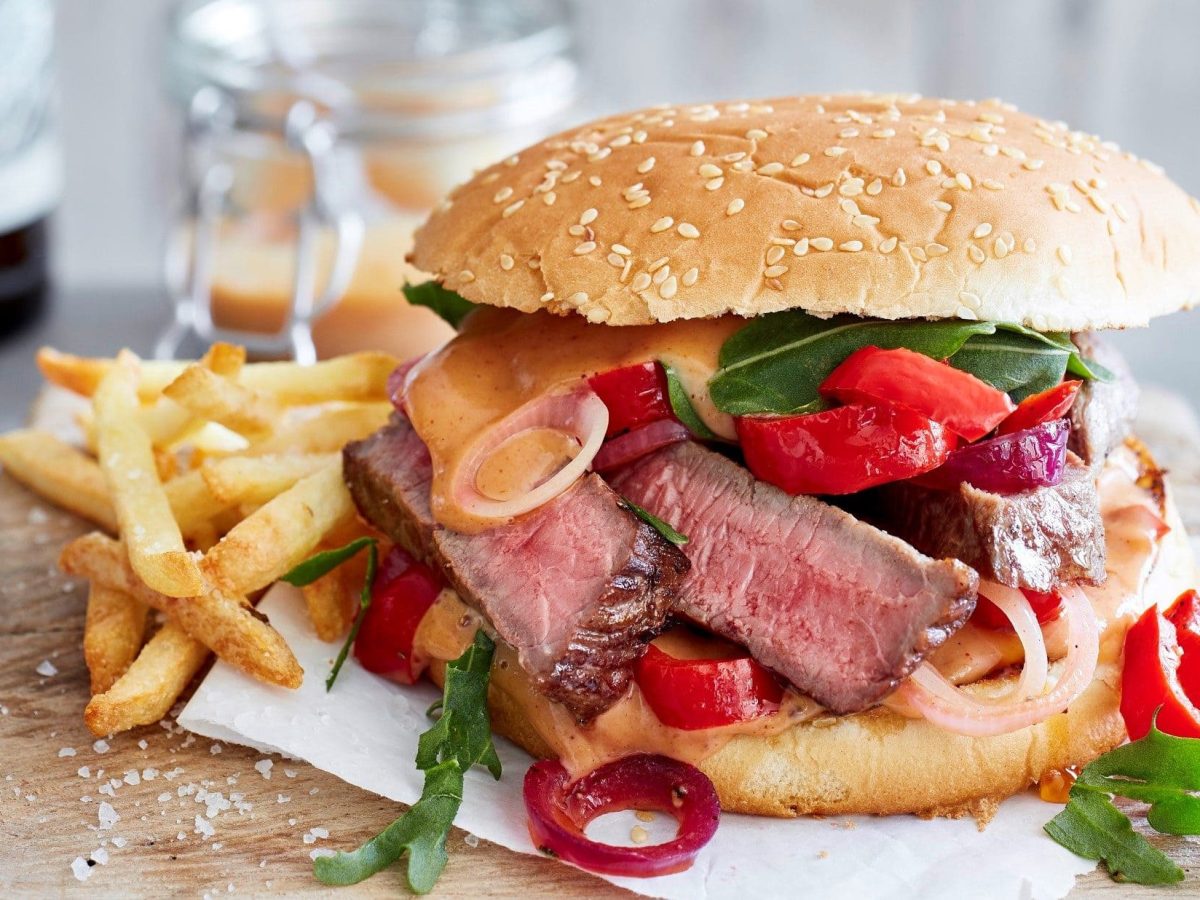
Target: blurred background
{"type": "Point", "coordinates": [409, 96]}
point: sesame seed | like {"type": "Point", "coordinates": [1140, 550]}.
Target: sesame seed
{"type": "Point", "coordinates": [735, 206]}
{"type": "Point", "coordinates": [534, 263]}
{"type": "Point", "coordinates": [821, 243]}
{"type": "Point", "coordinates": [919, 254]}
{"type": "Point", "coordinates": [549, 198]}
{"type": "Point", "coordinates": [639, 202]}
{"type": "Point", "coordinates": [639, 137]}
{"type": "Point", "coordinates": [600, 154]}
{"type": "Point", "coordinates": [688, 230]}
{"type": "Point", "coordinates": [616, 260]}
{"type": "Point", "coordinates": [900, 178]}
{"type": "Point", "coordinates": [620, 141]}
{"type": "Point", "coordinates": [773, 168]}
{"type": "Point", "coordinates": [588, 216]}
{"type": "Point", "coordinates": [714, 184]}
{"type": "Point", "coordinates": [506, 262]}
{"type": "Point", "coordinates": [775, 284]}
{"type": "Point", "coordinates": [774, 255]}
{"type": "Point", "coordinates": [756, 134]}
{"type": "Point", "coordinates": [662, 224]}
{"type": "Point", "coordinates": [1120, 211]}
{"type": "Point", "coordinates": [992, 184]}
{"type": "Point", "coordinates": [576, 231]}
{"type": "Point", "coordinates": [1029, 246]}
{"type": "Point", "coordinates": [698, 148]}
{"type": "Point", "coordinates": [851, 187]}
{"type": "Point", "coordinates": [547, 297]}
{"type": "Point", "coordinates": [1032, 165]}
{"type": "Point", "coordinates": [884, 133]}
{"type": "Point", "coordinates": [965, 312]}
{"type": "Point", "coordinates": [585, 248]}
{"type": "Point", "coordinates": [834, 151]}
{"type": "Point", "coordinates": [982, 230]}
{"type": "Point", "coordinates": [969, 299]}
{"type": "Point", "coordinates": [964, 181]}
{"type": "Point", "coordinates": [851, 246]}
{"type": "Point", "coordinates": [941, 205]}
{"type": "Point", "coordinates": [571, 176]}
{"type": "Point", "coordinates": [512, 160]}
{"type": "Point", "coordinates": [774, 271]}
{"type": "Point", "coordinates": [641, 281]}
{"type": "Point", "coordinates": [657, 264]}
{"type": "Point", "coordinates": [668, 288]}
{"type": "Point", "coordinates": [1000, 248]}
{"type": "Point", "coordinates": [791, 225]}
{"type": "Point", "coordinates": [661, 275]}
{"type": "Point", "coordinates": [490, 178]}
{"type": "Point", "coordinates": [734, 157]}
{"type": "Point", "coordinates": [801, 247]}
{"type": "Point", "coordinates": [512, 208]}
{"type": "Point", "coordinates": [888, 245]}
{"type": "Point", "coordinates": [976, 254]}
{"type": "Point", "coordinates": [865, 221]}
{"type": "Point", "coordinates": [501, 195]}
{"type": "Point", "coordinates": [690, 276]}
{"type": "Point", "coordinates": [875, 187]}
{"type": "Point", "coordinates": [622, 249]}
{"type": "Point", "coordinates": [646, 165]}
{"type": "Point", "coordinates": [466, 276]}
{"type": "Point", "coordinates": [578, 298]}
{"type": "Point", "coordinates": [824, 190]}
{"type": "Point", "coordinates": [746, 165]}
{"type": "Point", "coordinates": [1064, 254]}
{"type": "Point", "coordinates": [800, 159]}
{"type": "Point", "coordinates": [848, 133]}
{"type": "Point", "coordinates": [708, 170]}
{"type": "Point", "coordinates": [933, 167]}
{"type": "Point", "coordinates": [936, 249]}
{"type": "Point", "coordinates": [991, 149]}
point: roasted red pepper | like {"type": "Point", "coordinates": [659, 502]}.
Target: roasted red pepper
{"type": "Point", "coordinates": [1150, 681]}
{"type": "Point", "coordinates": [634, 395]}
{"type": "Point", "coordinates": [842, 450]}
{"type": "Point", "coordinates": [1050, 404]}
{"type": "Point", "coordinates": [960, 401]}
{"type": "Point", "coordinates": [404, 590]}
{"type": "Point", "coordinates": [1184, 614]}
{"type": "Point", "coordinates": [1046, 607]}
{"type": "Point", "coordinates": [706, 693]}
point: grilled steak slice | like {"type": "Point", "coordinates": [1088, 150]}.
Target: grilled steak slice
{"type": "Point", "coordinates": [841, 609]}
{"type": "Point", "coordinates": [1103, 412]}
{"type": "Point", "coordinates": [1035, 539]}
{"type": "Point", "coordinates": [577, 587]}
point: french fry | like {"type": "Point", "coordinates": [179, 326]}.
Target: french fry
{"type": "Point", "coordinates": [193, 504]}
{"type": "Point", "coordinates": [210, 396]}
{"type": "Point", "coordinates": [326, 432]}
{"type": "Point", "coordinates": [167, 422]}
{"type": "Point", "coordinates": [222, 622]}
{"type": "Point", "coordinates": [112, 634]}
{"type": "Point", "coordinates": [354, 377]}
{"type": "Point", "coordinates": [280, 534]}
{"type": "Point", "coordinates": [150, 686]}
{"type": "Point", "coordinates": [60, 473]}
{"type": "Point", "coordinates": [242, 479]}
{"type": "Point", "coordinates": [153, 537]}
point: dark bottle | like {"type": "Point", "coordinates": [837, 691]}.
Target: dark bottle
{"type": "Point", "coordinates": [30, 160]}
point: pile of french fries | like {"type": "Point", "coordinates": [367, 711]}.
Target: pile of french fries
{"type": "Point", "coordinates": [209, 480]}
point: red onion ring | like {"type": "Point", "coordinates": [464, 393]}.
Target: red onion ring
{"type": "Point", "coordinates": [559, 812]}
{"type": "Point", "coordinates": [929, 693]}
{"type": "Point", "coordinates": [576, 410]}
{"type": "Point", "coordinates": [639, 442]}
{"type": "Point", "coordinates": [1016, 606]}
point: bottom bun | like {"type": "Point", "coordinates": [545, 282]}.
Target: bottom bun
{"type": "Point", "coordinates": [878, 762]}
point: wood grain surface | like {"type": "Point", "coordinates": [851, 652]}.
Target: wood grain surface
{"type": "Point", "coordinates": [50, 808]}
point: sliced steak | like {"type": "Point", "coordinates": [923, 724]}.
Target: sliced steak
{"type": "Point", "coordinates": [1103, 412]}
{"type": "Point", "coordinates": [1035, 539]}
{"type": "Point", "coordinates": [841, 609]}
{"type": "Point", "coordinates": [577, 587]}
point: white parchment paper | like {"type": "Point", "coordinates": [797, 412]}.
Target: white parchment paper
{"type": "Point", "coordinates": [365, 732]}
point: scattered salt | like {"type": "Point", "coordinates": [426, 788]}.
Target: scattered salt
{"type": "Point", "coordinates": [320, 851]}
{"type": "Point", "coordinates": [46, 668]}
{"type": "Point", "coordinates": [101, 746]}
{"type": "Point", "coordinates": [84, 772]}
{"type": "Point", "coordinates": [215, 749]}
{"type": "Point", "coordinates": [164, 797]}
{"type": "Point", "coordinates": [263, 767]}
{"type": "Point", "coordinates": [290, 773]}
{"type": "Point", "coordinates": [80, 869]}
{"type": "Point", "coordinates": [119, 842]}
{"type": "Point", "coordinates": [108, 816]}
{"type": "Point", "coordinates": [66, 751]}
{"type": "Point", "coordinates": [100, 855]}
{"type": "Point", "coordinates": [282, 798]}
{"type": "Point", "coordinates": [132, 777]}
{"type": "Point", "coordinates": [204, 827]}
{"type": "Point", "coordinates": [471, 840]}
{"type": "Point", "coordinates": [142, 745]}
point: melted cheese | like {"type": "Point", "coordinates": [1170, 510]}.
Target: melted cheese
{"type": "Point", "coordinates": [502, 358]}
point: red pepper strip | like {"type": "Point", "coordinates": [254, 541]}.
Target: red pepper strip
{"type": "Point", "coordinates": [404, 590]}
{"type": "Point", "coordinates": [1184, 614]}
{"type": "Point", "coordinates": [1150, 680]}
{"type": "Point", "coordinates": [706, 693]}
{"type": "Point", "coordinates": [1052, 403]}
{"type": "Point", "coordinates": [559, 812]}
{"type": "Point", "coordinates": [1047, 608]}
{"type": "Point", "coordinates": [960, 401]}
{"type": "Point", "coordinates": [842, 450]}
{"type": "Point", "coordinates": [634, 395]}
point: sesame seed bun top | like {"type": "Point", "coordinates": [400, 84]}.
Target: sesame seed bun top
{"type": "Point", "coordinates": [877, 205]}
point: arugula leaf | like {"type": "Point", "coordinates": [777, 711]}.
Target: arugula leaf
{"type": "Point", "coordinates": [322, 564]}
{"type": "Point", "coordinates": [460, 739]}
{"type": "Point", "coordinates": [446, 303]}
{"type": "Point", "coordinates": [1017, 364]}
{"type": "Point", "coordinates": [664, 528]}
{"type": "Point", "coordinates": [1159, 769]}
{"type": "Point", "coordinates": [681, 405]}
{"type": "Point", "coordinates": [1091, 827]}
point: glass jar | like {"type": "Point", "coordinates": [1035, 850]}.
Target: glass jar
{"type": "Point", "coordinates": [320, 134]}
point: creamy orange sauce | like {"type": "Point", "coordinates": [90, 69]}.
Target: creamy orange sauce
{"type": "Point", "coordinates": [501, 359]}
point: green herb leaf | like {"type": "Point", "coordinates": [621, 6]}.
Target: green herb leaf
{"type": "Point", "coordinates": [1159, 769]}
{"type": "Point", "coordinates": [323, 563]}
{"type": "Point", "coordinates": [364, 603]}
{"type": "Point", "coordinates": [1093, 828]}
{"type": "Point", "coordinates": [681, 404]}
{"type": "Point", "coordinates": [1015, 363]}
{"type": "Point", "coordinates": [461, 738]}
{"type": "Point", "coordinates": [776, 363]}
{"type": "Point", "coordinates": [446, 303]}
{"type": "Point", "coordinates": [664, 528]}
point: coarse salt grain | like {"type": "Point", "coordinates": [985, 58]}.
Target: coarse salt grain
{"type": "Point", "coordinates": [263, 767]}
{"type": "Point", "coordinates": [80, 869]}
{"type": "Point", "coordinates": [100, 856]}
{"type": "Point", "coordinates": [100, 746]}
{"type": "Point", "coordinates": [66, 751]}
{"type": "Point", "coordinates": [107, 815]}
{"type": "Point", "coordinates": [47, 668]}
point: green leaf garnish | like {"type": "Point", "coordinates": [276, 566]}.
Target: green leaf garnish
{"type": "Point", "coordinates": [681, 405]}
{"type": "Point", "coordinates": [446, 303]}
{"type": "Point", "coordinates": [664, 528]}
{"type": "Point", "coordinates": [322, 564]}
{"type": "Point", "coordinates": [1091, 827]}
{"type": "Point", "coordinates": [461, 738]}
{"type": "Point", "coordinates": [777, 362]}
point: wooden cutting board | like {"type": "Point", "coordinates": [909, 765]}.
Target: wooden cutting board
{"type": "Point", "coordinates": [53, 772]}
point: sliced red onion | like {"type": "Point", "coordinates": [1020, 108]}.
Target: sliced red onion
{"type": "Point", "coordinates": [576, 411]}
{"type": "Point", "coordinates": [1032, 458]}
{"type": "Point", "coordinates": [559, 812]}
{"type": "Point", "coordinates": [639, 442]}
{"type": "Point", "coordinates": [400, 379]}
{"type": "Point", "coordinates": [1016, 606]}
{"type": "Point", "coordinates": [928, 693]}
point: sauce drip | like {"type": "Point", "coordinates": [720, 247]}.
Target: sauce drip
{"type": "Point", "coordinates": [501, 359]}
